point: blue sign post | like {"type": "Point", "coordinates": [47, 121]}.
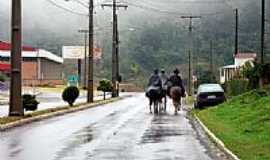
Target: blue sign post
{"type": "Point", "coordinates": [73, 80]}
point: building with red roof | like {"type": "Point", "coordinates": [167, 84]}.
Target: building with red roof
{"type": "Point", "coordinates": [230, 71]}
{"type": "Point", "coordinates": [39, 67]}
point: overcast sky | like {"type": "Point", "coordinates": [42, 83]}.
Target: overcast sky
{"type": "Point", "coordinates": [49, 15]}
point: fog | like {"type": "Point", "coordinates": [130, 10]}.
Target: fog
{"type": "Point", "coordinates": [45, 22]}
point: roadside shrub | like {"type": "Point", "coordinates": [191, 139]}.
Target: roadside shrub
{"type": "Point", "coordinates": [105, 86]}
{"type": "Point", "coordinates": [70, 94]}
{"type": "Point", "coordinates": [29, 102]}
{"type": "Point", "coordinates": [2, 77]}
{"type": "Point", "coordinates": [255, 72]}
{"type": "Point", "coordinates": [236, 87]}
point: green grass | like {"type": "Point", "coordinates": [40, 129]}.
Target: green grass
{"type": "Point", "coordinates": [243, 124]}
{"type": "Point", "coordinates": [6, 120]}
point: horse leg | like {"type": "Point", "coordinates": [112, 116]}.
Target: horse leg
{"type": "Point", "coordinates": [156, 106]}
{"type": "Point", "coordinates": [175, 104]}
{"type": "Point", "coordinates": [160, 105]}
{"type": "Point", "coordinates": [180, 105]}
{"type": "Point", "coordinates": [165, 103]}
{"type": "Point", "coordinates": [150, 104]}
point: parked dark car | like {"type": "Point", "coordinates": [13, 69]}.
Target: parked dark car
{"type": "Point", "coordinates": [209, 95]}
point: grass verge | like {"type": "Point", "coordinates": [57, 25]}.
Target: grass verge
{"type": "Point", "coordinates": [243, 124]}
{"type": "Point", "coordinates": [7, 120]}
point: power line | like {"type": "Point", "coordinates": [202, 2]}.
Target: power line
{"type": "Point", "coordinates": [84, 4]}
{"type": "Point", "coordinates": [145, 7]}
{"type": "Point", "coordinates": [66, 9]}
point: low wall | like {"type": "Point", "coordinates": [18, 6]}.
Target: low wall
{"type": "Point", "coordinates": [44, 82]}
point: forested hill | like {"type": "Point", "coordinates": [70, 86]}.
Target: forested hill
{"type": "Point", "coordinates": [158, 38]}
{"type": "Point", "coordinates": [164, 45]}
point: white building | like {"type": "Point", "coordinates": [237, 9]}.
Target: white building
{"type": "Point", "coordinates": [228, 72]}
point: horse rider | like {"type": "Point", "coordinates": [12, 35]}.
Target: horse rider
{"type": "Point", "coordinates": [155, 79]}
{"type": "Point", "coordinates": [175, 80]}
{"type": "Point", "coordinates": [176, 90]}
{"type": "Point", "coordinates": [154, 89]}
{"type": "Point", "coordinates": [164, 79]}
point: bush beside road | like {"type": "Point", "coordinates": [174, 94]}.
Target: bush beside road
{"type": "Point", "coordinates": [243, 124]}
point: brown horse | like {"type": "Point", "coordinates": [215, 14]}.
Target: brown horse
{"type": "Point", "coordinates": [176, 94]}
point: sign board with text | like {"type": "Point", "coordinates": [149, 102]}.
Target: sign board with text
{"type": "Point", "coordinates": [77, 52]}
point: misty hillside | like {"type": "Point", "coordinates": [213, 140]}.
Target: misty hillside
{"type": "Point", "coordinates": [152, 33]}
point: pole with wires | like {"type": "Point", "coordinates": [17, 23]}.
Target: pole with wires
{"type": "Point", "coordinates": [190, 55]}
{"type": "Point", "coordinates": [90, 86]}
{"type": "Point", "coordinates": [115, 48]}
{"type": "Point", "coordinates": [263, 32]}
{"type": "Point", "coordinates": [236, 32]}
{"type": "Point", "coordinates": [114, 45]}
{"type": "Point", "coordinates": [15, 105]}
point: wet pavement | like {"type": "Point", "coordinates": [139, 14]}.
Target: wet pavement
{"type": "Point", "coordinates": [123, 130]}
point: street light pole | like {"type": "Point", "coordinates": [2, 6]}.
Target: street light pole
{"type": "Point", "coordinates": [16, 108]}
{"type": "Point", "coordinates": [90, 87]}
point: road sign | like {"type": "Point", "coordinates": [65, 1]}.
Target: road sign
{"type": "Point", "coordinates": [73, 80]}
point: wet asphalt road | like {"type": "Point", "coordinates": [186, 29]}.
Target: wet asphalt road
{"type": "Point", "coordinates": [122, 130]}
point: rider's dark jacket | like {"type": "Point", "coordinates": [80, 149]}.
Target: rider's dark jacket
{"type": "Point", "coordinates": [155, 81]}
{"type": "Point", "coordinates": [176, 81]}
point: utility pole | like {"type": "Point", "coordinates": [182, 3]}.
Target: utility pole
{"type": "Point", "coordinates": [236, 32]}
{"type": "Point", "coordinates": [117, 58]}
{"type": "Point", "coordinates": [263, 32]}
{"type": "Point", "coordinates": [190, 55]}
{"type": "Point", "coordinates": [15, 105]}
{"type": "Point", "coordinates": [90, 87]}
{"type": "Point", "coordinates": [115, 47]}
{"type": "Point", "coordinates": [85, 32]}
{"type": "Point", "coordinates": [79, 71]}
{"type": "Point", "coordinates": [211, 62]}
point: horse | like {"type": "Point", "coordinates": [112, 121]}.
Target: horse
{"type": "Point", "coordinates": [155, 97]}
{"type": "Point", "coordinates": [176, 94]}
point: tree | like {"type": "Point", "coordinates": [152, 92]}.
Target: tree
{"type": "Point", "coordinates": [105, 86]}
{"type": "Point", "coordinates": [255, 72]}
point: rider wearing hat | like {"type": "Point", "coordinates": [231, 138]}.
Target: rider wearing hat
{"type": "Point", "coordinates": [176, 81]}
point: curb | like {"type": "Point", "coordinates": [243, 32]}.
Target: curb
{"type": "Point", "coordinates": [3, 102]}
{"type": "Point", "coordinates": [55, 114]}
{"type": "Point", "coordinates": [216, 140]}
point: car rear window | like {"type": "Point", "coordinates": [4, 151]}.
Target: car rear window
{"type": "Point", "coordinates": [210, 88]}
